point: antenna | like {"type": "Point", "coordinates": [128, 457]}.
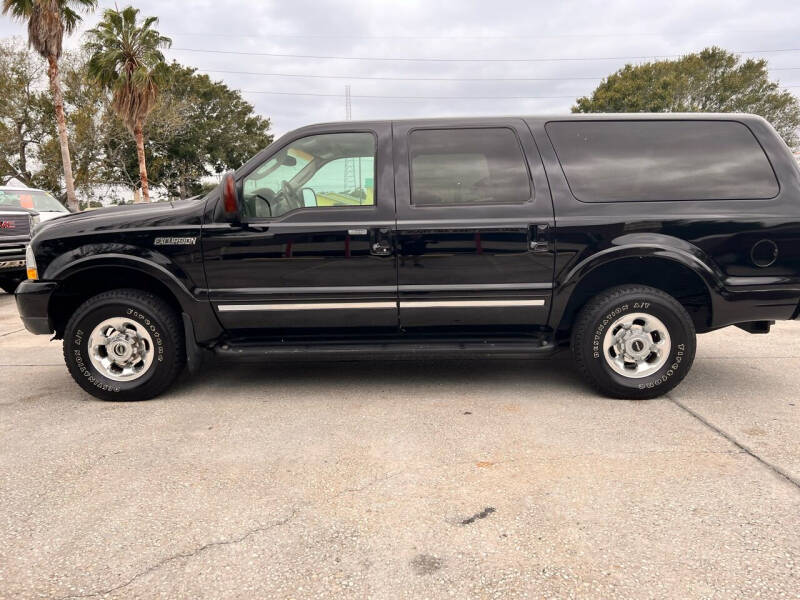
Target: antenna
{"type": "Point", "coordinates": [348, 109]}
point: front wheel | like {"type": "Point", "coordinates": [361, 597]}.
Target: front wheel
{"type": "Point", "coordinates": [634, 342]}
{"type": "Point", "coordinates": [124, 345]}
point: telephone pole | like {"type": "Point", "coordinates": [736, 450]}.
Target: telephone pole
{"type": "Point", "coordinates": [349, 164]}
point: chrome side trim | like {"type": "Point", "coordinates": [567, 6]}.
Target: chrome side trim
{"type": "Point", "coordinates": [469, 303]}
{"type": "Point", "coordinates": [304, 306]}
{"type": "Point", "coordinates": [385, 305]}
{"type": "Point", "coordinates": [469, 287]}
{"type": "Point", "coordinates": [335, 289]}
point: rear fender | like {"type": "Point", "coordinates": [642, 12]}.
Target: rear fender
{"type": "Point", "coordinates": [639, 245]}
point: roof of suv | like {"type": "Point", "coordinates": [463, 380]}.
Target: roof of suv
{"type": "Point", "coordinates": [672, 116]}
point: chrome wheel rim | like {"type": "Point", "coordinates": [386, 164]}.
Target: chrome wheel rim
{"type": "Point", "coordinates": [636, 345]}
{"type": "Point", "coordinates": [121, 349]}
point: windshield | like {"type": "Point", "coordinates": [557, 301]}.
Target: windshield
{"type": "Point", "coordinates": [282, 167]}
{"type": "Point", "coordinates": [31, 199]}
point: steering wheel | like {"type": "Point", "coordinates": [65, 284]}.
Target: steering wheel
{"type": "Point", "coordinates": [286, 199]}
{"type": "Point", "coordinates": [289, 194]}
{"type": "Point", "coordinates": [262, 194]}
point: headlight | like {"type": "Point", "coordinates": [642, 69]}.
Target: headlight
{"type": "Point", "coordinates": [30, 264]}
{"type": "Point", "coordinates": [35, 220]}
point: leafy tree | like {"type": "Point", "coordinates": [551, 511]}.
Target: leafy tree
{"type": "Point", "coordinates": [88, 109]}
{"type": "Point", "coordinates": [20, 111]}
{"type": "Point", "coordinates": [219, 130]}
{"type": "Point", "coordinates": [126, 59]}
{"type": "Point", "coordinates": [713, 80]}
{"type": "Point", "coordinates": [199, 128]}
{"type": "Point", "coordinates": [47, 21]}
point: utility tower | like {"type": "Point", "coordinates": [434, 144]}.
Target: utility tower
{"type": "Point", "coordinates": [350, 182]}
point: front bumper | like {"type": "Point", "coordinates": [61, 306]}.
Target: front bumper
{"type": "Point", "coordinates": [33, 300]}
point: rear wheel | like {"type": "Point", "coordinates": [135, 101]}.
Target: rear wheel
{"type": "Point", "coordinates": [124, 345]}
{"type": "Point", "coordinates": [634, 342]}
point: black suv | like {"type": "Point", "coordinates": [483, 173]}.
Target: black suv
{"type": "Point", "coordinates": [619, 235]}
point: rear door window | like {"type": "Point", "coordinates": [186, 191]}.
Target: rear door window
{"type": "Point", "coordinates": [628, 161]}
{"type": "Point", "coordinates": [467, 166]}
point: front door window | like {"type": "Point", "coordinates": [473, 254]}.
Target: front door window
{"type": "Point", "coordinates": [327, 170]}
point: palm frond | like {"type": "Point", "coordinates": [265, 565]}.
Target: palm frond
{"type": "Point", "coordinates": [48, 20]}
{"type": "Point", "coordinates": [126, 59]}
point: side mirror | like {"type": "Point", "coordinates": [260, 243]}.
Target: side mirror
{"type": "Point", "coordinates": [309, 197]}
{"type": "Point", "coordinates": [231, 207]}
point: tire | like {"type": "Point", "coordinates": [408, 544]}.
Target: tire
{"type": "Point", "coordinates": [136, 315]}
{"type": "Point", "coordinates": [628, 311]}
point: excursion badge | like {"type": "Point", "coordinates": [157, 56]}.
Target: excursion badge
{"type": "Point", "coordinates": [175, 241]}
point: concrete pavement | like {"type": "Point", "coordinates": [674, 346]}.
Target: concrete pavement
{"type": "Point", "coordinates": [495, 479]}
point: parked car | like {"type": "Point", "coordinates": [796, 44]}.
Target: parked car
{"type": "Point", "coordinates": [621, 236]}
{"type": "Point", "coordinates": [32, 199]}
{"type": "Point", "coordinates": [15, 234]}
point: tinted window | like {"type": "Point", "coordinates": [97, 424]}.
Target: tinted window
{"type": "Point", "coordinates": [607, 161]}
{"type": "Point", "coordinates": [326, 170]}
{"type": "Point", "coordinates": [467, 166]}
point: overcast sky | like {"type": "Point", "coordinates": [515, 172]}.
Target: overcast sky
{"type": "Point", "coordinates": [598, 35]}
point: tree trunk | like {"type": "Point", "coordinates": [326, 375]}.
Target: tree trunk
{"type": "Point", "coordinates": [23, 159]}
{"type": "Point", "coordinates": [23, 164]}
{"type": "Point", "coordinates": [58, 102]}
{"type": "Point", "coordinates": [137, 133]}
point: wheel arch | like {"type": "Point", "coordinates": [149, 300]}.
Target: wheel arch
{"type": "Point", "coordinates": [683, 275]}
{"type": "Point", "coordinates": [89, 276]}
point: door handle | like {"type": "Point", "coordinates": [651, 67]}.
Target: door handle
{"type": "Point", "coordinates": [539, 239]}
{"type": "Point", "coordinates": [380, 248]}
{"type": "Point", "coordinates": [380, 242]}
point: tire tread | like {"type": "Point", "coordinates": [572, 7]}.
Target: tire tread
{"type": "Point", "coordinates": [163, 311]}
{"type": "Point", "coordinates": [585, 319]}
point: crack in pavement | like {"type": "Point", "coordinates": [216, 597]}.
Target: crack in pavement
{"type": "Point", "coordinates": [230, 542]}
{"type": "Point", "coordinates": [10, 332]}
{"type": "Point", "coordinates": [369, 484]}
{"type": "Point", "coordinates": [744, 448]}
{"type": "Point", "coordinates": [295, 511]}
{"type": "Point", "coordinates": [184, 555]}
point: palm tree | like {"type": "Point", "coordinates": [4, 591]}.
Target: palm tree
{"type": "Point", "coordinates": [125, 59]}
{"type": "Point", "coordinates": [48, 20]}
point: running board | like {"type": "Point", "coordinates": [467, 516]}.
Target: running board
{"type": "Point", "coordinates": [387, 350]}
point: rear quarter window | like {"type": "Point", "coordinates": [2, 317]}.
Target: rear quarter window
{"type": "Point", "coordinates": [630, 161]}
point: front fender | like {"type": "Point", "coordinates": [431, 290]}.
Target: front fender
{"type": "Point", "coordinates": [144, 260]}
{"type": "Point", "coordinates": [192, 300]}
